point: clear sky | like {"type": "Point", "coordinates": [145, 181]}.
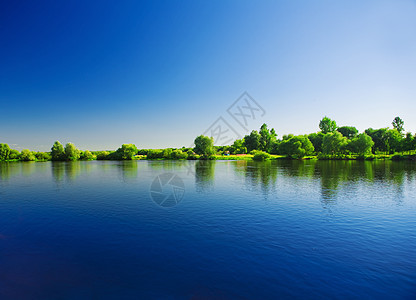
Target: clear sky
{"type": "Point", "coordinates": [159, 73]}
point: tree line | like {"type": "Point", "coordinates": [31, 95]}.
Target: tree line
{"type": "Point", "coordinates": [330, 142]}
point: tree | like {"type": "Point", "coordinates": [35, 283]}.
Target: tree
{"type": "Point", "coordinates": [71, 152]}
{"type": "Point", "coordinates": [27, 155]}
{"type": "Point", "coordinates": [252, 141]}
{"type": "Point", "coordinates": [393, 141]}
{"type": "Point", "coordinates": [361, 144]}
{"type": "Point", "coordinates": [127, 151]}
{"type": "Point", "coordinates": [408, 143]}
{"type": "Point", "coordinates": [57, 151]}
{"type": "Point", "coordinates": [398, 124]}
{"type": "Point", "coordinates": [14, 154]}
{"type": "Point", "coordinates": [87, 155]}
{"type": "Point", "coordinates": [316, 140]}
{"type": "Point", "coordinates": [296, 146]}
{"type": "Point", "coordinates": [238, 147]}
{"type": "Point", "coordinates": [333, 143]}
{"type": "Point", "coordinates": [266, 138]}
{"type": "Point", "coordinates": [4, 152]}
{"type": "Point", "coordinates": [348, 131]}
{"type": "Point", "coordinates": [379, 138]}
{"type": "Point", "coordinates": [204, 145]}
{"type": "Point", "coordinates": [327, 125]}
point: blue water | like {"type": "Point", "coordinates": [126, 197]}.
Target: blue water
{"type": "Point", "coordinates": [235, 230]}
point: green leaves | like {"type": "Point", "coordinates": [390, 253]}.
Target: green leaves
{"type": "Point", "coordinates": [204, 145]}
{"type": "Point", "coordinates": [327, 125]}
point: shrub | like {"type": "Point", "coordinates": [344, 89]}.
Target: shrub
{"type": "Point", "coordinates": [27, 155]}
{"type": "Point", "coordinates": [178, 154]}
{"type": "Point", "coordinates": [261, 156]}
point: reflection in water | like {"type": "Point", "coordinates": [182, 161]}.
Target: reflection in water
{"type": "Point", "coordinates": [204, 175]}
{"type": "Point", "coordinates": [128, 169]}
{"type": "Point", "coordinates": [58, 171]}
{"type": "Point", "coordinates": [5, 171]}
{"type": "Point", "coordinates": [258, 174]}
{"type": "Point", "coordinates": [72, 170]}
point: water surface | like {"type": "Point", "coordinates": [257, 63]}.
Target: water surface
{"type": "Point", "coordinates": [240, 230]}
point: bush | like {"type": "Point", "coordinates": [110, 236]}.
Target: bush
{"type": "Point", "coordinates": [27, 155]}
{"type": "Point", "coordinates": [154, 154]}
{"type": "Point", "coordinates": [261, 156]}
{"type": "Point", "coordinates": [191, 155]}
{"type": "Point", "coordinates": [102, 155]}
{"type": "Point", "coordinates": [178, 154]}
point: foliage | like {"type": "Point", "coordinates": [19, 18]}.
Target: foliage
{"type": "Point", "coordinates": [296, 146]}
{"type": "Point", "coordinates": [154, 154]}
{"type": "Point", "coordinates": [42, 156]}
{"type": "Point", "coordinates": [238, 147]}
{"type": "Point", "coordinates": [252, 141]}
{"type": "Point", "coordinates": [101, 155]}
{"type": "Point", "coordinates": [393, 141]}
{"type": "Point", "coordinates": [87, 155]}
{"type": "Point", "coordinates": [349, 132]}
{"type": "Point", "coordinates": [27, 155]}
{"type": "Point", "coordinates": [178, 154]}
{"type": "Point", "coordinates": [57, 151]}
{"type": "Point", "coordinates": [261, 155]}
{"type": "Point", "coordinates": [71, 152]}
{"type": "Point", "coordinates": [379, 138]}
{"type": "Point", "coordinates": [4, 152]}
{"type": "Point", "coordinates": [191, 155]}
{"type": "Point", "coordinates": [334, 143]}
{"type": "Point", "coordinates": [408, 142]}
{"type": "Point", "coordinates": [361, 144]}
{"type": "Point", "coordinates": [14, 154]}
{"type": "Point", "coordinates": [398, 124]}
{"type": "Point", "coordinates": [125, 152]}
{"type": "Point", "coordinates": [204, 145]}
{"type": "Point", "coordinates": [327, 125]}
{"type": "Point", "coordinates": [267, 138]}
{"type": "Point", "coordinates": [316, 140]}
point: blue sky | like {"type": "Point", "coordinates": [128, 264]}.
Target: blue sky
{"type": "Point", "coordinates": [159, 73]}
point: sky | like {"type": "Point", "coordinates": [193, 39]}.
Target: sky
{"type": "Point", "coordinates": [159, 73]}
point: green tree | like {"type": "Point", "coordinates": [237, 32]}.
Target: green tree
{"type": "Point", "coordinates": [252, 141]}
{"type": "Point", "coordinates": [393, 141]}
{"type": "Point", "coordinates": [238, 147]}
{"type": "Point", "coordinates": [333, 143]}
{"type": "Point", "coordinates": [4, 152]}
{"type": "Point", "coordinates": [296, 146]}
{"type": "Point", "coordinates": [204, 145]}
{"type": "Point", "coordinates": [57, 151]}
{"type": "Point", "coordinates": [27, 155]}
{"type": "Point", "coordinates": [71, 152]}
{"type": "Point", "coordinates": [87, 155]}
{"type": "Point", "coordinates": [127, 151]}
{"type": "Point", "coordinates": [267, 137]}
{"type": "Point", "coordinates": [261, 155]}
{"type": "Point", "coordinates": [348, 131]}
{"type": "Point", "coordinates": [42, 156]}
{"type": "Point", "coordinates": [14, 154]}
{"type": "Point", "coordinates": [379, 138]}
{"type": "Point", "coordinates": [408, 142]}
{"type": "Point", "coordinates": [361, 144]}
{"type": "Point", "coordinates": [398, 124]}
{"type": "Point", "coordinates": [316, 140]}
{"type": "Point", "coordinates": [327, 125]}
{"type": "Point", "coordinates": [179, 154]}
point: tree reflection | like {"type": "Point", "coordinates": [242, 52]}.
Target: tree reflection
{"type": "Point", "coordinates": [256, 174]}
{"type": "Point", "coordinates": [128, 169]}
{"type": "Point", "coordinates": [204, 175]}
